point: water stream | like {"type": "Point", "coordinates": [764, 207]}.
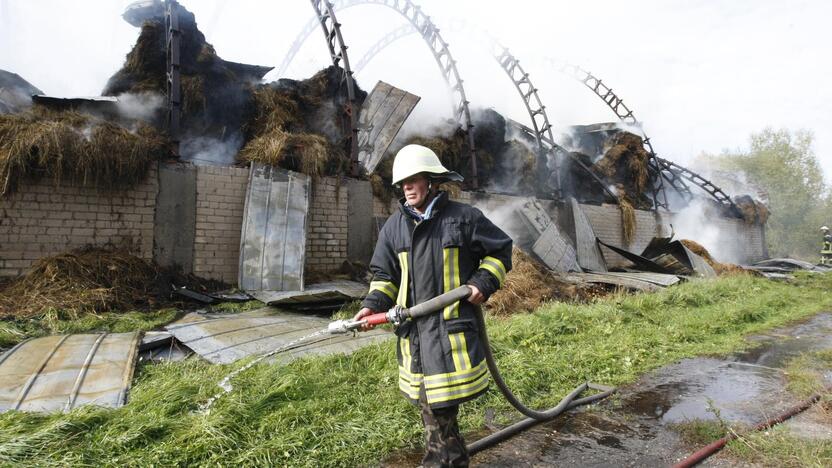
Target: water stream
{"type": "Point", "coordinates": [225, 383]}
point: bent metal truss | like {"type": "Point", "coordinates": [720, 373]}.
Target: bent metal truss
{"type": "Point", "coordinates": [429, 32]}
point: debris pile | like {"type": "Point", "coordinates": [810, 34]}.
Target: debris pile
{"type": "Point", "coordinates": [301, 125]}
{"type": "Point", "coordinates": [71, 146]}
{"type": "Point", "coordinates": [624, 164]}
{"type": "Point", "coordinates": [719, 268]}
{"type": "Point", "coordinates": [216, 93]}
{"type": "Point", "coordinates": [529, 284]}
{"type": "Point", "coordinates": [89, 281]}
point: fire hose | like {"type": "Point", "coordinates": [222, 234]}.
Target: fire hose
{"type": "Point", "coordinates": [398, 315]}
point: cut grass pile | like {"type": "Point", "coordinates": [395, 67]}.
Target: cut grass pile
{"type": "Point", "coordinates": [346, 411]}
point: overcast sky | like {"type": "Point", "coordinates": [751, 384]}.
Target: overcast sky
{"type": "Point", "coordinates": [701, 75]}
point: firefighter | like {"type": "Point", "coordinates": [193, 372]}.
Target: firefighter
{"type": "Point", "coordinates": [826, 251]}
{"type": "Point", "coordinates": [432, 245]}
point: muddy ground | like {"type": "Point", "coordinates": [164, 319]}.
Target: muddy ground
{"type": "Point", "coordinates": [635, 428]}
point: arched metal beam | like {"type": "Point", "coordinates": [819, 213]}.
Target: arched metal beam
{"type": "Point", "coordinates": [389, 38]}
{"type": "Point", "coordinates": [541, 129]}
{"type": "Point", "coordinates": [671, 172]}
{"type": "Point", "coordinates": [338, 53]}
{"type": "Point", "coordinates": [441, 54]}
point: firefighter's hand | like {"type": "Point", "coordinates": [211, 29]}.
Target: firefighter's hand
{"type": "Point", "coordinates": [476, 296]}
{"type": "Point", "coordinates": [363, 313]}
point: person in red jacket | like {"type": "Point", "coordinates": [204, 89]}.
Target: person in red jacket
{"type": "Point", "coordinates": [432, 245]}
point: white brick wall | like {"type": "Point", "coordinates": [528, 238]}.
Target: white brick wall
{"type": "Point", "coordinates": [42, 219]}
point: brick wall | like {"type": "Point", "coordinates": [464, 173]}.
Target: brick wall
{"type": "Point", "coordinates": [326, 240]}
{"type": "Point", "coordinates": [42, 219]}
{"type": "Point", "coordinates": [220, 201]}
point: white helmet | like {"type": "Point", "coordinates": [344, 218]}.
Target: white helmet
{"type": "Point", "coordinates": [414, 159]}
{"type": "Point", "coordinates": [824, 228]}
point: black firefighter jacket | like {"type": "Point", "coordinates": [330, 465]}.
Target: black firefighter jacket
{"type": "Point", "coordinates": [416, 261]}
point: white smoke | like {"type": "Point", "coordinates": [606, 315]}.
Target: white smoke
{"type": "Point", "coordinates": [698, 222]}
{"type": "Point", "coordinates": [139, 106]}
{"type": "Point", "coordinates": [208, 151]}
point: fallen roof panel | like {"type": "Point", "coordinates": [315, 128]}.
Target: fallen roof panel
{"type": "Point", "coordinates": [315, 293]}
{"type": "Point", "coordinates": [62, 372]}
{"type": "Point", "coordinates": [587, 250]}
{"type": "Point", "coordinates": [606, 278]}
{"type": "Point", "coordinates": [380, 119]}
{"type": "Point", "coordinates": [225, 338]}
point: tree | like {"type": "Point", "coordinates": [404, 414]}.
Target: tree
{"type": "Point", "coordinates": [784, 164]}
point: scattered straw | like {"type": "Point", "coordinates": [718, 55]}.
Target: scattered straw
{"type": "Point", "coordinates": [530, 284]}
{"type": "Point", "coordinates": [628, 219]}
{"type": "Point", "coordinates": [89, 281]}
{"type": "Point", "coordinates": [719, 268]}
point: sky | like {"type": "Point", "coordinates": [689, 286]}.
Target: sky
{"type": "Point", "coordinates": [701, 75]}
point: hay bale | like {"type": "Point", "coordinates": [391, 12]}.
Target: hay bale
{"type": "Point", "coordinates": [92, 280]}
{"type": "Point", "coordinates": [75, 147]}
{"type": "Point", "coordinates": [751, 210]}
{"type": "Point", "coordinates": [719, 268]}
{"type": "Point", "coordinates": [625, 164]}
{"type": "Point", "coordinates": [530, 284]}
{"type": "Point", "coordinates": [300, 152]}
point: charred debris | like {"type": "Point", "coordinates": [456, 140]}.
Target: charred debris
{"type": "Point", "coordinates": [229, 117]}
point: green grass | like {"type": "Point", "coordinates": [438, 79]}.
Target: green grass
{"type": "Point", "coordinates": [346, 411]}
{"type": "Point", "coordinates": [15, 331]}
{"type": "Point", "coordinates": [54, 322]}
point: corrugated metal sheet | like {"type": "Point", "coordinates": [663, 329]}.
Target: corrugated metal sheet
{"type": "Point", "coordinates": [554, 251]}
{"type": "Point", "coordinates": [58, 373]}
{"type": "Point", "coordinates": [586, 248]}
{"type": "Point", "coordinates": [313, 294]}
{"type": "Point", "coordinates": [225, 338]}
{"type": "Point", "coordinates": [273, 240]}
{"type": "Point", "coordinates": [382, 116]}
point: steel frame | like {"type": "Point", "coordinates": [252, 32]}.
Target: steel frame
{"type": "Point", "coordinates": [439, 48]}
{"type": "Point", "coordinates": [338, 53]}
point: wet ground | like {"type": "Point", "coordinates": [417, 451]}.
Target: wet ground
{"type": "Point", "coordinates": [635, 428]}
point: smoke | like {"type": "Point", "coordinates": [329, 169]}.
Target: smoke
{"type": "Point", "coordinates": [209, 151]}
{"type": "Point", "coordinates": [503, 213]}
{"type": "Point", "coordinates": [139, 106]}
{"type": "Point", "coordinates": [698, 222]}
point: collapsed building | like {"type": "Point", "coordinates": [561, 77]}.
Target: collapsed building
{"type": "Point", "coordinates": [188, 167]}
{"type": "Point", "coordinates": [201, 137]}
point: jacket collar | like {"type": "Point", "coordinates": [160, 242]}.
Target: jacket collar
{"type": "Point", "coordinates": [433, 209]}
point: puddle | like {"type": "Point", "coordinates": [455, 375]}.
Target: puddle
{"type": "Point", "coordinates": [633, 429]}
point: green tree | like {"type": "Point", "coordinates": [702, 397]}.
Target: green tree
{"type": "Point", "coordinates": [784, 164]}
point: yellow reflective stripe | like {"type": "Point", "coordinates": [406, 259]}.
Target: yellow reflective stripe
{"type": "Point", "coordinates": [402, 297]}
{"type": "Point", "coordinates": [409, 382]}
{"type": "Point", "coordinates": [496, 268]}
{"type": "Point", "coordinates": [388, 288]}
{"type": "Point", "coordinates": [454, 378]}
{"type": "Point", "coordinates": [450, 260]}
{"type": "Point", "coordinates": [459, 349]}
{"type": "Point", "coordinates": [461, 391]}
